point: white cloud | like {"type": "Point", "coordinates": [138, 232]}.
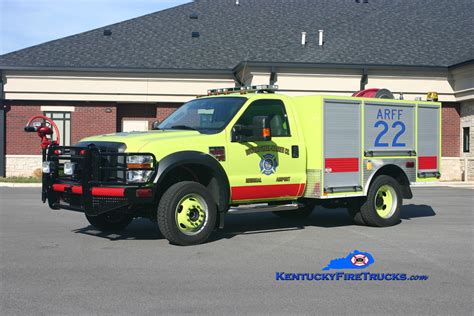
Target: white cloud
{"type": "Point", "coordinates": [29, 22]}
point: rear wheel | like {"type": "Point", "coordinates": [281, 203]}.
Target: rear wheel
{"type": "Point", "coordinates": [384, 200]}
{"type": "Point", "coordinates": [114, 220]}
{"type": "Point", "coordinates": [186, 213]}
{"type": "Point", "coordinates": [301, 212]}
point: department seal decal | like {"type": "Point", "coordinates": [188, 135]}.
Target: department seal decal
{"type": "Point", "coordinates": [268, 164]}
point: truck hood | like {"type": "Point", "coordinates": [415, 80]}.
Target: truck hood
{"type": "Point", "coordinates": [137, 140]}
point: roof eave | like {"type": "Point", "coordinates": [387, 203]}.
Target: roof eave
{"type": "Point", "coordinates": [244, 64]}
{"type": "Point", "coordinates": [121, 70]}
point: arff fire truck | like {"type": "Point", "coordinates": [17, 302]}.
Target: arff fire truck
{"type": "Point", "coordinates": [249, 146]}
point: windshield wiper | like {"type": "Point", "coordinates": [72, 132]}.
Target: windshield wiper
{"type": "Point", "coordinates": [183, 127]}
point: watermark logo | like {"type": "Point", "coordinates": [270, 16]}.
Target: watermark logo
{"type": "Point", "coordinates": [354, 260]}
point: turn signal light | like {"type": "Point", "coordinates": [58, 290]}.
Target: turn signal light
{"type": "Point", "coordinates": [138, 165]}
{"type": "Point", "coordinates": [144, 193]}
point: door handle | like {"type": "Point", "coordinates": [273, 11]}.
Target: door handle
{"type": "Point", "coordinates": [295, 151]}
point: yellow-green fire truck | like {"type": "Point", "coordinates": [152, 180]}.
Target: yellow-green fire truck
{"type": "Point", "coordinates": [251, 146]}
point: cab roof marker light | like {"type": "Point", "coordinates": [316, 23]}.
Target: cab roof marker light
{"type": "Point", "coordinates": [242, 90]}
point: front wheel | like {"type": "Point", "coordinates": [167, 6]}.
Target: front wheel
{"type": "Point", "coordinates": [383, 204]}
{"type": "Point", "coordinates": [186, 213]}
{"type": "Point", "coordinates": [113, 221]}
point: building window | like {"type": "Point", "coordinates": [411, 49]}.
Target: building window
{"type": "Point", "coordinates": [63, 121]}
{"type": "Point", "coordinates": [465, 139]}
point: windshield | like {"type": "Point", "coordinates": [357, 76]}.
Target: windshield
{"type": "Point", "coordinates": [208, 115]}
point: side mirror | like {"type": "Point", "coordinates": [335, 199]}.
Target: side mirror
{"type": "Point", "coordinates": [261, 128]}
{"type": "Point", "coordinates": [155, 125]}
{"type": "Point", "coordinates": [258, 131]}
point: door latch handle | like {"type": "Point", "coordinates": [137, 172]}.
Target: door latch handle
{"type": "Point", "coordinates": [295, 151]}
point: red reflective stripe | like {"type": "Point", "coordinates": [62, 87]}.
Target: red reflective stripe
{"type": "Point", "coordinates": [95, 191]}
{"type": "Point", "coordinates": [60, 187]}
{"type": "Point", "coordinates": [342, 164]}
{"type": "Point", "coordinates": [256, 192]}
{"type": "Point", "coordinates": [118, 192]}
{"type": "Point", "coordinates": [77, 190]}
{"type": "Point", "coordinates": [428, 163]}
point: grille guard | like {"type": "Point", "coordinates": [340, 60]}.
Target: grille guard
{"type": "Point", "coordinates": [95, 169]}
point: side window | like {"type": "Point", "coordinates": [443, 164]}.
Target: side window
{"type": "Point", "coordinates": [274, 109]}
{"type": "Point", "coordinates": [63, 121]}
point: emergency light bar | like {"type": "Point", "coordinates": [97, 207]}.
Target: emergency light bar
{"type": "Point", "coordinates": [242, 90]}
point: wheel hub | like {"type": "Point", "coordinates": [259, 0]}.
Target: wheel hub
{"type": "Point", "coordinates": [191, 214]}
{"type": "Point", "coordinates": [385, 201]}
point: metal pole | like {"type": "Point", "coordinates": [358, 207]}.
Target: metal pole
{"type": "Point", "coordinates": [2, 128]}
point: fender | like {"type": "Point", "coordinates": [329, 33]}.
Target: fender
{"type": "Point", "coordinates": [168, 163]}
{"type": "Point", "coordinates": [406, 190]}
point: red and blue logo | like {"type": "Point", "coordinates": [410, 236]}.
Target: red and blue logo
{"type": "Point", "coordinates": [354, 260]}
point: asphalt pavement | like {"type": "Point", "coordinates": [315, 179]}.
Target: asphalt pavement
{"type": "Point", "coordinates": [53, 262]}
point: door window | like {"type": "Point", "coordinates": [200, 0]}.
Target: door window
{"type": "Point", "coordinates": [274, 109]}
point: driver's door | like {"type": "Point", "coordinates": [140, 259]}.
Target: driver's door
{"type": "Point", "coordinates": [267, 170]}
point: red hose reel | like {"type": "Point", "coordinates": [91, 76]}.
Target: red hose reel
{"type": "Point", "coordinates": [44, 131]}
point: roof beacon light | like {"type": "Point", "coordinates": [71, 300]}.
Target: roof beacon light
{"type": "Point", "coordinates": [243, 90]}
{"type": "Point", "coordinates": [432, 96]}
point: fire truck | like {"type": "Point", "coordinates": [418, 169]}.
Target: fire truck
{"type": "Point", "coordinates": [249, 147]}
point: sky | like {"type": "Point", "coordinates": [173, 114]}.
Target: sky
{"type": "Point", "coordinates": [25, 23]}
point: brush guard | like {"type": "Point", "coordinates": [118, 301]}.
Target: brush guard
{"type": "Point", "coordinates": [99, 183]}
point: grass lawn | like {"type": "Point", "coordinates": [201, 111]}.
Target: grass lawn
{"type": "Point", "coordinates": [21, 180]}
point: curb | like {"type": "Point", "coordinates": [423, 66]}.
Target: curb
{"type": "Point", "coordinates": [20, 185]}
{"type": "Point", "coordinates": [466, 185]}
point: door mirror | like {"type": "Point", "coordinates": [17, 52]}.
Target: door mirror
{"type": "Point", "coordinates": [154, 125]}
{"type": "Point", "coordinates": [258, 131]}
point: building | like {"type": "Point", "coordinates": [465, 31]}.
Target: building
{"type": "Point", "coordinates": [126, 75]}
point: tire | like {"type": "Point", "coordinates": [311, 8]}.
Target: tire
{"type": "Point", "coordinates": [302, 212]}
{"type": "Point", "coordinates": [353, 209]}
{"type": "Point", "coordinates": [111, 221]}
{"type": "Point", "coordinates": [190, 228]}
{"type": "Point", "coordinates": [383, 204]}
{"type": "Point", "coordinates": [354, 213]}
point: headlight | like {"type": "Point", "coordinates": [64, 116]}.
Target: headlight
{"type": "Point", "coordinates": [139, 176]}
{"type": "Point", "coordinates": [69, 168]}
{"type": "Point", "coordinates": [139, 161]}
{"type": "Point", "coordinates": [47, 166]}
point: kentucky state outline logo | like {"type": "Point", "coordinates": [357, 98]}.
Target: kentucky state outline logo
{"type": "Point", "coordinates": [268, 164]}
{"type": "Point", "coordinates": [354, 260]}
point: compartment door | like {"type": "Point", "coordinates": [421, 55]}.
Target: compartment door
{"type": "Point", "coordinates": [428, 141]}
{"type": "Point", "coordinates": [342, 146]}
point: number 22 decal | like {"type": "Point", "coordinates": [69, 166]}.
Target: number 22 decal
{"type": "Point", "coordinates": [384, 131]}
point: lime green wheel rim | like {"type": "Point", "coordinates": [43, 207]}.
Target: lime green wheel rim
{"type": "Point", "coordinates": [191, 214]}
{"type": "Point", "coordinates": [386, 201]}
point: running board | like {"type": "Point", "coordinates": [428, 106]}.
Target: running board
{"type": "Point", "coordinates": [263, 207]}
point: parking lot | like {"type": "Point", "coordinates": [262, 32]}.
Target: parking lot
{"type": "Point", "coordinates": [53, 262]}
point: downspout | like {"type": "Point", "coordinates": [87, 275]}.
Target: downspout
{"type": "Point", "coordinates": [2, 128]}
{"type": "Point", "coordinates": [237, 79]}
{"type": "Point", "coordinates": [364, 79]}
{"type": "Point", "coordinates": [273, 76]}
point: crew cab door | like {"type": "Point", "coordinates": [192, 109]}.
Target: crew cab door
{"type": "Point", "coordinates": [267, 170]}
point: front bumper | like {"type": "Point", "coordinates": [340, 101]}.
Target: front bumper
{"type": "Point", "coordinates": [99, 186]}
{"type": "Point", "coordinates": [97, 200]}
